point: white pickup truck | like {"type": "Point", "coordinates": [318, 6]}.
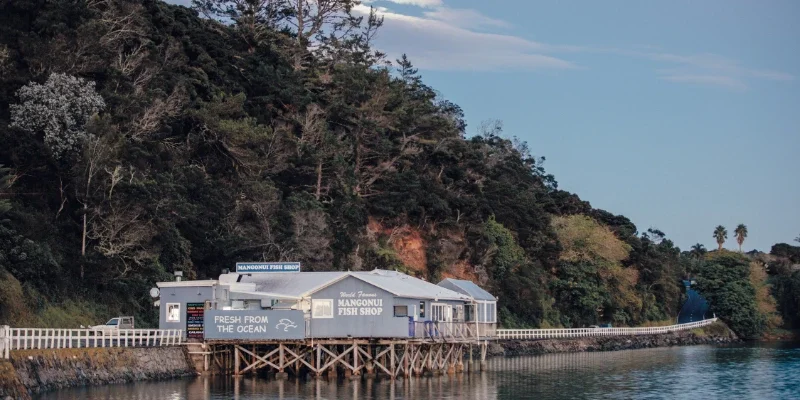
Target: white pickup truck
{"type": "Point", "coordinates": [115, 324]}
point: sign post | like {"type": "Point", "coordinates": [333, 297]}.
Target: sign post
{"type": "Point", "coordinates": [259, 267]}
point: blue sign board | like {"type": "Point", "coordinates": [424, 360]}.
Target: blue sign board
{"type": "Point", "coordinates": [248, 267]}
{"type": "Point", "coordinates": [254, 324]}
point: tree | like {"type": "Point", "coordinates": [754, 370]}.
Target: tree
{"type": "Point", "coordinates": [698, 250]}
{"type": "Point", "coordinates": [787, 295]}
{"type": "Point", "coordinates": [504, 252]}
{"type": "Point", "coordinates": [253, 19]}
{"type": "Point", "coordinates": [309, 17]}
{"type": "Point", "coordinates": [720, 234]}
{"type": "Point", "coordinates": [724, 280]}
{"type": "Point", "coordinates": [741, 234]}
{"type": "Point", "coordinates": [5, 184]}
{"type": "Point", "coordinates": [3, 57]}
{"type": "Point", "coordinates": [60, 108]}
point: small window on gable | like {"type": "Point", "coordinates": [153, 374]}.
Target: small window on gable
{"type": "Point", "coordinates": [401, 311]}
{"type": "Point", "coordinates": [321, 308]}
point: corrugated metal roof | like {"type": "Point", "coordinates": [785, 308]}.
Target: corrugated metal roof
{"type": "Point", "coordinates": [467, 287]}
{"type": "Point", "coordinates": [261, 295]}
{"type": "Point", "coordinates": [299, 284]}
{"type": "Point", "coordinates": [403, 285]}
{"type": "Point", "coordinates": [293, 284]}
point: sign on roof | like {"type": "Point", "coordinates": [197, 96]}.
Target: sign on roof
{"type": "Point", "coordinates": [249, 267]}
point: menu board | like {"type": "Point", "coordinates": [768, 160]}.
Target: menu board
{"type": "Point", "coordinates": [194, 320]}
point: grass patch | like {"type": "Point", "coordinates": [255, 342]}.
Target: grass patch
{"type": "Point", "coordinates": [664, 322]}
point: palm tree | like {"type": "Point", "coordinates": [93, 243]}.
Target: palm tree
{"type": "Point", "coordinates": [698, 250]}
{"type": "Point", "coordinates": [741, 234]}
{"type": "Point", "coordinates": [720, 233]}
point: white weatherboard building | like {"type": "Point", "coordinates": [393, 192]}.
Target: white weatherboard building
{"type": "Point", "coordinates": [342, 304]}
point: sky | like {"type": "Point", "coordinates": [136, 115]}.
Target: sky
{"type": "Point", "coordinates": [680, 115]}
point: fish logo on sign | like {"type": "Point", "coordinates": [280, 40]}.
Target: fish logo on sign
{"type": "Point", "coordinates": [286, 324]}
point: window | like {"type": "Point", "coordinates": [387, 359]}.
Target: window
{"type": "Point", "coordinates": [113, 321]}
{"type": "Point", "coordinates": [441, 312]}
{"type": "Point", "coordinates": [173, 312]}
{"type": "Point", "coordinates": [321, 308]}
{"type": "Point", "coordinates": [487, 312]}
{"type": "Point", "coordinates": [400, 311]}
{"type": "Point", "coordinates": [421, 309]}
{"type": "Point", "coordinates": [458, 313]}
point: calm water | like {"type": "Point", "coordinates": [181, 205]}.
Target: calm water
{"type": "Point", "coordinates": [700, 372]}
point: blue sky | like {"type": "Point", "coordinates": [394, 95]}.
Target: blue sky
{"type": "Point", "coordinates": [681, 115]}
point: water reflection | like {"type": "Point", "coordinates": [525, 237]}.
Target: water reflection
{"type": "Point", "coordinates": [689, 372]}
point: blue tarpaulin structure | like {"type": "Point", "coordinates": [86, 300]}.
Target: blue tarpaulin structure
{"type": "Point", "coordinates": [695, 307]}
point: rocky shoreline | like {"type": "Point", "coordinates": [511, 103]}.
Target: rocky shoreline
{"type": "Point", "coordinates": [610, 343]}
{"type": "Point", "coordinates": [36, 371]}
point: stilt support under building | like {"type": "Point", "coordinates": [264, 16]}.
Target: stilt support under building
{"type": "Point", "coordinates": [353, 358]}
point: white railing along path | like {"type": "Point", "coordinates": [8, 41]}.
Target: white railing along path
{"type": "Point", "coordinates": [589, 332]}
{"type": "Point", "coordinates": [42, 338]}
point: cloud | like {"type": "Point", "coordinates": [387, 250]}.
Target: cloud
{"type": "Point", "coordinates": [714, 80]}
{"type": "Point", "coordinates": [712, 69]}
{"type": "Point", "coordinates": [418, 3]}
{"type": "Point", "coordinates": [464, 18]}
{"type": "Point", "coordinates": [438, 40]}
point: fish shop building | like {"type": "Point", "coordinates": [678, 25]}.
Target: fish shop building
{"type": "Point", "coordinates": [327, 305]}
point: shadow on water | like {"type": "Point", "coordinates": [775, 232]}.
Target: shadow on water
{"type": "Point", "coordinates": [700, 372]}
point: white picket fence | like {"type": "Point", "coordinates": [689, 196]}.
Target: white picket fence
{"type": "Point", "coordinates": [588, 332]}
{"type": "Point", "coordinates": [41, 338]}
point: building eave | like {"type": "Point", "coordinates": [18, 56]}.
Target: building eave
{"type": "Point", "coordinates": [205, 283]}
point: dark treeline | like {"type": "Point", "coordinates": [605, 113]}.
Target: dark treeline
{"type": "Point", "coordinates": [140, 139]}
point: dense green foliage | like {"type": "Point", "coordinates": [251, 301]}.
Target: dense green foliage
{"type": "Point", "coordinates": [724, 281]}
{"type": "Point", "coordinates": [213, 143]}
{"type": "Point", "coordinates": [783, 267]}
{"type": "Point", "coordinates": [787, 294]}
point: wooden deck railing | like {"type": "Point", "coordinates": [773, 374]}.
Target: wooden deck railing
{"type": "Point", "coordinates": [435, 330]}
{"type": "Point", "coordinates": [41, 338]}
{"type": "Point", "coordinates": [588, 332]}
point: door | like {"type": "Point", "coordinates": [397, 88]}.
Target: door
{"type": "Point", "coordinates": [126, 323]}
{"type": "Point", "coordinates": [442, 315]}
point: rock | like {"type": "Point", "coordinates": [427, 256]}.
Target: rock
{"type": "Point", "coordinates": [44, 370]}
{"type": "Point", "coordinates": [612, 343]}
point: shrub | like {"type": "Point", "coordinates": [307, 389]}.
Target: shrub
{"type": "Point", "coordinates": [60, 108]}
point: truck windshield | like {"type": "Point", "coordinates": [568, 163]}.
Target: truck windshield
{"type": "Point", "coordinates": [113, 321]}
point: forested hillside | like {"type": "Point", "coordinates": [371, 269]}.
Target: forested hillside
{"type": "Point", "coordinates": [139, 139]}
